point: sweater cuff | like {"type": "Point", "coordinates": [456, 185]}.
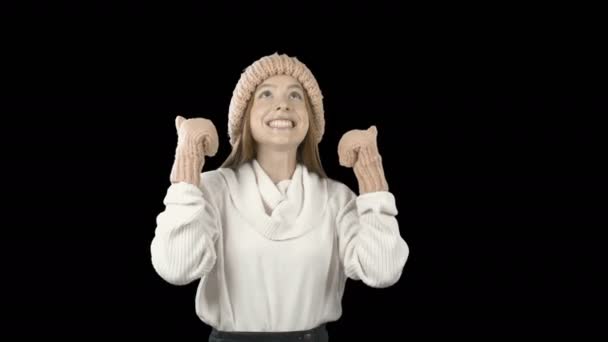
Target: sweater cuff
{"type": "Point", "coordinates": [379, 202]}
{"type": "Point", "coordinates": [183, 193]}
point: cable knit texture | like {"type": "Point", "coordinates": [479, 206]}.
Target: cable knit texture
{"type": "Point", "coordinates": [272, 259]}
{"type": "Point", "coordinates": [261, 70]}
{"type": "Point", "coordinates": [359, 149]}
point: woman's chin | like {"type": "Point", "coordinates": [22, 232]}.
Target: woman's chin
{"type": "Point", "coordinates": [281, 143]}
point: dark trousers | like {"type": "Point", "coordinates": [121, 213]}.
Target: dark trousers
{"type": "Point", "coordinates": [318, 334]}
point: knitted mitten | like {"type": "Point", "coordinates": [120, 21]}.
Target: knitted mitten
{"type": "Point", "coordinates": [197, 138]}
{"type": "Point", "coordinates": [358, 149]}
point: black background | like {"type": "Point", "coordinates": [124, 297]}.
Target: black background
{"type": "Point", "coordinates": [489, 127]}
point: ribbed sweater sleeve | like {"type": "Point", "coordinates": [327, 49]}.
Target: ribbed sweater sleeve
{"type": "Point", "coordinates": [371, 247]}
{"type": "Point", "coordinates": [183, 247]}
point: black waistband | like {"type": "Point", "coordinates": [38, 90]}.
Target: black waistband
{"type": "Point", "coordinates": [252, 335]}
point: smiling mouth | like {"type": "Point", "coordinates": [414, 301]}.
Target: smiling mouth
{"type": "Point", "coordinates": [281, 124]}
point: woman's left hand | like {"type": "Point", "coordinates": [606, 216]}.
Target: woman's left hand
{"type": "Point", "coordinates": [353, 141]}
{"type": "Point", "coordinates": [359, 149]}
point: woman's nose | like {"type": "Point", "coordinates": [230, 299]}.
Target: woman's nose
{"type": "Point", "coordinates": [283, 106]}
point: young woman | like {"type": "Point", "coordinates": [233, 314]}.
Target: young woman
{"type": "Point", "coordinates": [270, 237]}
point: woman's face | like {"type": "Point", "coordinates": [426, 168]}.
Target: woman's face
{"type": "Point", "coordinates": [279, 117]}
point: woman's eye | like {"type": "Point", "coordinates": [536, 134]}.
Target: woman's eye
{"type": "Point", "coordinates": [265, 93]}
{"type": "Point", "coordinates": [295, 95]}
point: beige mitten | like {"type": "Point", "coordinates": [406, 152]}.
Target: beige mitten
{"type": "Point", "coordinates": [197, 138]}
{"type": "Point", "coordinates": [358, 149]}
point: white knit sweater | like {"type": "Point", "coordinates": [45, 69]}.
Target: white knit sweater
{"type": "Point", "coordinates": [282, 268]}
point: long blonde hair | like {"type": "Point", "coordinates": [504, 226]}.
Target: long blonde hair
{"type": "Point", "coordinates": [244, 149]}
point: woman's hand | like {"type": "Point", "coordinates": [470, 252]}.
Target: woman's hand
{"type": "Point", "coordinates": [359, 149]}
{"type": "Point", "coordinates": [197, 138]}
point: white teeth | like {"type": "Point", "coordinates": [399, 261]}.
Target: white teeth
{"type": "Point", "coordinates": [280, 124]}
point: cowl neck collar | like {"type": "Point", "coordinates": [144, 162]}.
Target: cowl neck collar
{"type": "Point", "coordinates": [294, 213]}
{"type": "Point", "coordinates": [271, 193]}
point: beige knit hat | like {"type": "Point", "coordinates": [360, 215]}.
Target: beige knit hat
{"type": "Point", "coordinates": [257, 73]}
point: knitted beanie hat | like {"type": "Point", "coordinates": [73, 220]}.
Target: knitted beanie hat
{"type": "Point", "coordinates": [257, 73]}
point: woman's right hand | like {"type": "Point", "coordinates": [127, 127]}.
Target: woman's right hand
{"type": "Point", "coordinates": [197, 138]}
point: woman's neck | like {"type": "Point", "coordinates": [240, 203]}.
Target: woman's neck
{"type": "Point", "coordinates": [278, 164]}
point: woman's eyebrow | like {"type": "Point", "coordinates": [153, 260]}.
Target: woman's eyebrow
{"type": "Point", "coordinates": [291, 86]}
{"type": "Point", "coordinates": [267, 85]}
